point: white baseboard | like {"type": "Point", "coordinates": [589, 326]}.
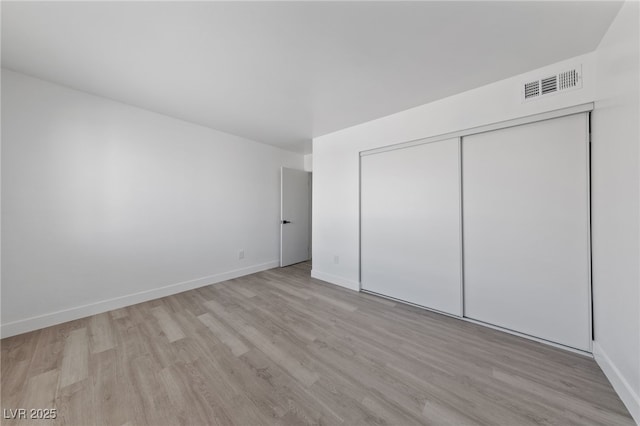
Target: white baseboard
{"type": "Point", "coordinates": [58, 317]}
{"type": "Point", "coordinates": [334, 279]}
{"type": "Point", "coordinates": [624, 390]}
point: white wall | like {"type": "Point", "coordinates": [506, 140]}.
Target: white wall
{"type": "Point", "coordinates": [104, 204]}
{"type": "Point", "coordinates": [336, 156]}
{"type": "Point", "coordinates": [308, 163]}
{"type": "Point", "coordinates": [616, 207]}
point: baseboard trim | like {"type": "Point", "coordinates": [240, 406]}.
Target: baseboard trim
{"type": "Point", "coordinates": [334, 279]}
{"type": "Point", "coordinates": [624, 390]}
{"type": "Point", "coordinates": [41, 321]}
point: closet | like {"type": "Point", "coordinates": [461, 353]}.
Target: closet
{"type": "Point", "coordinates": [491, 225]}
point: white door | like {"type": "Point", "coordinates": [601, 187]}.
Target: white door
{"type": "Point", "coordinates": [526, 229]}
{"type": "Point", "coordinates": [410, 225]}
{"type": "Point", "coordinates": [295, 218]}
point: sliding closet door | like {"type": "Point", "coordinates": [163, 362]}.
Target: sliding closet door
{"type": "Point", "coordinates": [410, 225]}
{"type": "Point", "coordinates": [526, 238]}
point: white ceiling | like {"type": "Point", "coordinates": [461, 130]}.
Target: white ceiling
{"type": "Point", "coordinates": [282, 73]}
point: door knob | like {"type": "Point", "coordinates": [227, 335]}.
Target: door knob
{"type": "Point", "coordinates": [284, 222]}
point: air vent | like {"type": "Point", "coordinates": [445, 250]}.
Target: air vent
{"type": "Point", "coordinates": [564, 81]}
{"type": "Point", "coordinates": [568, 79]}
{"type": "Point", "coordinates": [549, 84]}
{"type": "Point", "coordinates": [532, 89]}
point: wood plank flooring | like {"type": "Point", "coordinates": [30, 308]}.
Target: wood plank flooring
{"type": "Point", "coordinates": [280, 348]}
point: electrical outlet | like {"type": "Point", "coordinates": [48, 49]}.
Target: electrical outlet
{"type": "Point", "coordinates": [241, 254]}
{"type": "Point", "coordinates": [336, 259]}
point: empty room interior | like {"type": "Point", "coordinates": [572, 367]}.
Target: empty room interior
{"type": "Point", "coordinates": [320, 212]}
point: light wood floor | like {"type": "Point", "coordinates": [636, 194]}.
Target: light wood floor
{"type": "Point", "coordinates": [278, 347]}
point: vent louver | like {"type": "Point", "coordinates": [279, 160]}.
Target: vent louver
{"type": "Point", "coordinates": [549, 84]}
{"type": "Point", "coordinates": [568, 79]}
{"type": "Point", "coordinates": [531, 89]}
{"type": "Point", "coordinates": [563, 81]}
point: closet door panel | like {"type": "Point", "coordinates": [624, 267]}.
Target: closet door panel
{"type": "Point", "coordinates": [410, 225]}
{"type": "Point", "coordinates": [525, 221]}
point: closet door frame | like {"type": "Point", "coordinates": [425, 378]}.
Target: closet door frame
{"type": "Point", "coordinates": [577, 109]}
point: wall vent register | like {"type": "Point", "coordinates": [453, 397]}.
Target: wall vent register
{"type": "Point", "coordinates": [564, 81]}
